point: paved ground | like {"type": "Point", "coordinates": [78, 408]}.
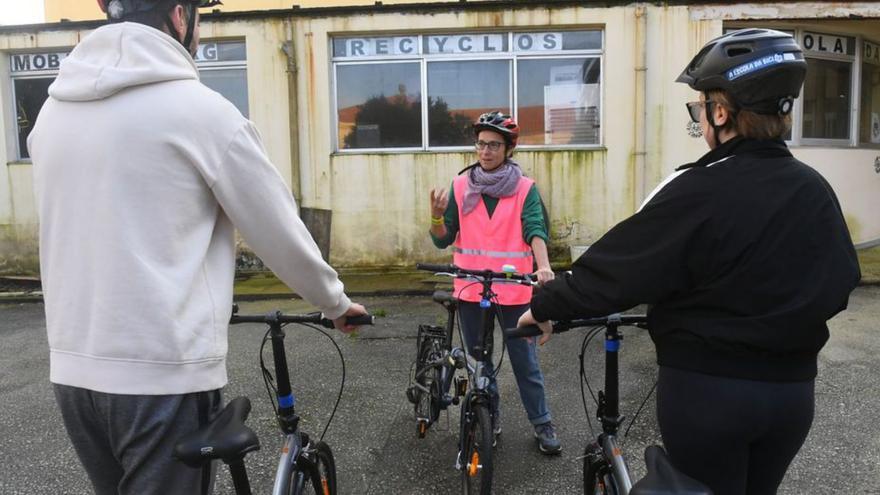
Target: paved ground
{"type": "Point", "coordinates": [373, 434]}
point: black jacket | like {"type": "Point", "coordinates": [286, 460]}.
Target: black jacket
{"type": "Point", "coordinates": [743, 258]}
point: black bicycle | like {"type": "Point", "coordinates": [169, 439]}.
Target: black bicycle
{"type": "Point", "coordinates": [305, 465]}
{"type": "Point", "coordinates": [434, 374]}
{"type": "Point", "coordinates": [605, 469]}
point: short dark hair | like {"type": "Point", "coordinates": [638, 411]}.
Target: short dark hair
{"type": "Point", "coordinates": [750, 124]}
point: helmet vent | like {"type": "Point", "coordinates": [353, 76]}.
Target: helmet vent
{"type": "Point", "coordinates": [736, 51]}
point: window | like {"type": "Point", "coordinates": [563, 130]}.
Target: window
{"type": "Point", "coordinates": [379, 106]}
{"type": "Point", "coordinates": [459, 92]}
{"type": "Point", "coordinates": [32, 73]}
{"type": "Point", "coordinates": [549, 81]}
{"type": "Point", "coordinates": [221, 67]}
{"type": "Point", "coordinates": [827, 89]}
{"type": "Point", "coordinates": [869, 116]}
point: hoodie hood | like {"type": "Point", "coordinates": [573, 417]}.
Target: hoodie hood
{"type": "Point", "coordinates": [118, 56]}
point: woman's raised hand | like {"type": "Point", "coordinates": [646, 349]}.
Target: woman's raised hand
{"type": "Point", "coordinates": [439, 201]}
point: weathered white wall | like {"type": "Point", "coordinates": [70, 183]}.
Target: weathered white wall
{"type": "Point", "coordinates": [379, 200]}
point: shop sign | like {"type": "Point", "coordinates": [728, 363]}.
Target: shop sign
{"type": "Point", "coordinates": [36, 62]}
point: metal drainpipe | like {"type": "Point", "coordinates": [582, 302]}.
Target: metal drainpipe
{"type": "Point", "coordinates": [640, 116]}
{"type": "Point", "coordinates": [289, 49]}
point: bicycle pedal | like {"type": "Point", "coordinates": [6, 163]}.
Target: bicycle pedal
{"type": "Point", "coordinates": [422, 428]}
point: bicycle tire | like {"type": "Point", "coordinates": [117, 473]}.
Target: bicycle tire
{"type": "Point", "coordinates": [476, 461]}
{"type": "Point", "coordinates": [598, 476]}
{"type": "Point", "coordinates": [428, 405]}
{"type": "Point", "coordinates": [321, 480]}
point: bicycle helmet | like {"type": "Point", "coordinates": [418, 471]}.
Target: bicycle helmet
{"type": "Point", "coordinates": [761, 69]}
{"type": "Point", "coordinates": [119, 10]}
{"type": "Point", "coordinates": [499, 122]}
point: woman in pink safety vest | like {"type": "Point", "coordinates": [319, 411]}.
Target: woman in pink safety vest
{"type": "Point", "coordinates": [493, 216]}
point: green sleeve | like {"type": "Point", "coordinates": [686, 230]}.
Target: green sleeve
{"type": "Point", "coordinates": [450, 218]}
{"type": "Point", "coordinates": [534, 222]}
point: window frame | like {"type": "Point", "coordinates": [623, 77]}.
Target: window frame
{"type": "Point", "coordinates": [512, 55]}
{"type": "Point", "coordinates": [18, 153]}
{"type": "Point", "coordinates": [854, 61]}
{"type": "Point", "coordinates": [860, 47]}
{"type": "Point", "coordinates": [17, 157]}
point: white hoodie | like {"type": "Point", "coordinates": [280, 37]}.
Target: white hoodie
{"type": "Point", "coordinates": [140, 173]}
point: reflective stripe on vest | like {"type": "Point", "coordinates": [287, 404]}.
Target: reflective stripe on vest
{"type": "Point", "coordinates": [493, 254]}
{"type": "Point", "coordinates": [490, 243]}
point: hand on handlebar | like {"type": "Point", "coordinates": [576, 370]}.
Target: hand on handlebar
{"type": "Point", "coordinates": [354, 310]}
{"type": "Point", "coordinates": [546, 327]}
{"type": "Point", "coordinates": [544, 275]}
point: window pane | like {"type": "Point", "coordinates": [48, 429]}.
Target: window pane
{"type": "Point", "coordinates": [869, 120]}
{"type": "Point", "coordinates": [458, 92]}
{"type": "Point", "coordinates": [30, 94]}
{"type": "Point", "coordinates": [379, 106]}
{"type": "Point", "coordinates": [827, 99]}
{"type": "Point", "coordinates": [231, 83]}
{"type": "Point", "coordinates": [559, 101]}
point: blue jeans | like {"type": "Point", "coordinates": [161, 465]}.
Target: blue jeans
{"type": "Point", "coordinates": [522, 354]}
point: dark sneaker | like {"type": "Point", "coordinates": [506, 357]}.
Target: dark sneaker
{"type": "Point", "coordinates": [547, 440]}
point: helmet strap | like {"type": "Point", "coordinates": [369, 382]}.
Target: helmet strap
{"type": "Point", "coordinates": [190, 28]}
{"type": "Point", "coordinates": [710, 117]}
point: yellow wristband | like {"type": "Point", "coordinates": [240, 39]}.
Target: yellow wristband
{"type": "Point", "coordinates": [436, 220]}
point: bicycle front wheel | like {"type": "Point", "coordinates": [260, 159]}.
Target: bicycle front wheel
{"type": "Point", "coordinates": [598, 476]}
{"type": "Point", "coordinates": [317, 476]}
{"type": "Point", "coordinates": [476, 454]}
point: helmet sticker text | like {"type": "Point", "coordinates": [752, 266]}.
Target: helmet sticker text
{"type": "Point", "coordinates": [758, 64]}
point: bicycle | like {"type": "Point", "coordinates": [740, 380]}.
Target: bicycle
{"type": "Point", "coordinates": [304, 466]}
{"type": "Point", "coordinates": [604, 466]}
{"type": "Point", "coordinates": [436, 363]}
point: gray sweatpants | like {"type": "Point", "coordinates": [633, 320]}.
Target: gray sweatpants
{"type": "Point", "coordinates": [125, 441]}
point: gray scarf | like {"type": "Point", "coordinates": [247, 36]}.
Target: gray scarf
{"type": "Point", "coordinates": [499, 183]}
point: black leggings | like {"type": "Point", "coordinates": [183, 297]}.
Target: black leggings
{"type": "Point", "coordinates": [737, 436]}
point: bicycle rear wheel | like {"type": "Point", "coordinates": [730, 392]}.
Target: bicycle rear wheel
{"type": "Point", "coordinates": [427, 405]}
{"type": "Point", "coordinates": [598, 476]}
{"type": "Point", "coordinates": [317, 479]}
{"type": "Point", "coordinates": [476, 454]}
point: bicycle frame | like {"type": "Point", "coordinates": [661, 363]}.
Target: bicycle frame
{"type": "Point", "coordinates": [609, 407]}
{"type": "Point", "coordinates": [288, 420]}
{"type": "Point", "coordinates": [227, 438]}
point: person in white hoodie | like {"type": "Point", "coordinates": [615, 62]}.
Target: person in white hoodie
{"type": "Point", "coordinates": [141, 174]}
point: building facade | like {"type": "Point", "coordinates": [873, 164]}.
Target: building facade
{"type": "Point", "coordinates": [365, 108]}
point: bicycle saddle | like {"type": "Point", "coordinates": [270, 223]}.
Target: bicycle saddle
{"type": "Point", "coordinates": [226, 437]}
{"type": "Point", "coordinates": [664, 479]}
{"type": "Point", "coordinates": [445, 298]}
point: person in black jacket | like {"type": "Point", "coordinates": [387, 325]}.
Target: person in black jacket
{"type": "Point", "coordinates": [742, 256]}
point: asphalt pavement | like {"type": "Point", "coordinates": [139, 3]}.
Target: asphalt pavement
{"type": "Point", "coordinates": [373, 433]}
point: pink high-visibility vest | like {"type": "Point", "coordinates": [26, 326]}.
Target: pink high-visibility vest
{"type": "Point", "coordinates": [490, 243]}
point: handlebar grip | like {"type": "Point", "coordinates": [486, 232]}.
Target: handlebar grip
{"type": "Point", "coordinates": [436, 268]}
{"type": "Point", "coordinates": [527, 331]}
{"type": "Point", "coordinates": [366, 319]}
{"type": "Point", "coordinates": [358, 320]}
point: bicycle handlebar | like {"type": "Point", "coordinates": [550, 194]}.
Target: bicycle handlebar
{"type": "Point", "coordinates": [315, 318]}
{"type": "Point", "coordinates": [640, 321]}
{"type": "Point", "coordinates": [482, 275]}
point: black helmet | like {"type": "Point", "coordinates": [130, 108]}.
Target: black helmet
{"type": "Point", "coordinates": [119, 9]}
{"type": "Point", "coordinates": [501, 123]}
{"type": "Point", "coordinates": [762, 69]}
